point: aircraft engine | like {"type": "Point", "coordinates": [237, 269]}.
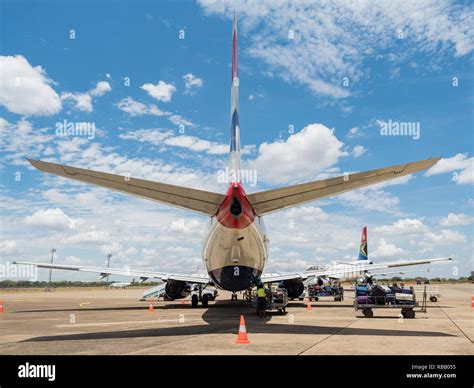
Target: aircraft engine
{"type": "Point", "coordinates": [294, 287]}
{"type": "Point", "coordinates": [322, 281]}
{"type": "Point", "coordinates": [177, 289]}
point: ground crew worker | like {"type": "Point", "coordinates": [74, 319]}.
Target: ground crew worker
{"type": "Point", "coordinates": [261, 301]}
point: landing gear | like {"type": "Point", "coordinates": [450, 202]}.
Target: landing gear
{"type": "Point", "coordinates": [368, 313]}
{"type": "Point", "coordinates": [409, 313]}
{"type": "Point", "coordinates": [205, 300]}
{"type": "Point", "coordinates": [194, 301]}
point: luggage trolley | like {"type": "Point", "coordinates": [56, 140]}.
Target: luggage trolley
{"type": "Point", "coordinates": [315, 292]}
{"type": "Point", "coordinates": [277, 300]}
{"type": "Point", "coordinates": [404, 300]}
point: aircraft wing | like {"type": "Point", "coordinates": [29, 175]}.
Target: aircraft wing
{"type": "Point", "coordinates": [194, 278]}
{"type": "Point", "coordinates": [279, 277]}
{"type": "Point", "coordinates": [393, 272]}
{"type": "Point", "coordinates": [269, 201]}
{"type": "Point", "coordinates": [196, 200]}
{"type": "Point", "coordinates": [342, 273]}
{"type": "Point", "coordinates": [406, 263]}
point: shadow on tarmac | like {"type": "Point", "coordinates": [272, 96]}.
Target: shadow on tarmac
{"type": "Point", "coordinates": [223, 317]}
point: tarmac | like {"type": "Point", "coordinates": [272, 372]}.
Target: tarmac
{"type": "Point", "coordinates": [115, 322]}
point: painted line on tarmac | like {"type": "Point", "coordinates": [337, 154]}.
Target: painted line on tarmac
{"type": "Point", "coordinates": [329, 336]}
{"type": "Point", "coordinates": [454, 323]}
{"type": "Point", "coordinates": [84, 304]}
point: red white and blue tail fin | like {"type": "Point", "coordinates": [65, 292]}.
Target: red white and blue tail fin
{"type": "Point", "coordinates": [234, 162]}
{"type": "Point", "coordinates": [363, 251]}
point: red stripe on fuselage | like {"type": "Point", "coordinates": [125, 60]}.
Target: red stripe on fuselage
{"type": "Point", "coordinates": [224, 214]}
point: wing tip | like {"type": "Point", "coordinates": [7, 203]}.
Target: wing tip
{"type": "Point", "coordinates": [35, 163]}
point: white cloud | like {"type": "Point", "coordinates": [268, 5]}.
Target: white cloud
{"type": "Point", "coordinates": [336, 39]}
{"type": "Point", "coordinates": [161, 91]}
{"type": "Point", "coordinates": [22, 140]}
{"type": "Point", "coordinates": [56, 196]}
{"type": "Point", "coordinates": [372, 199]}
{"type": "Point", "coordinates": [353, 132]}
{"type": "Point", "coordinates": [305, 213]}
{"type": "Point", "coordinates": [26, 90]}
{"type": "Point", "coordinates": [83, 101]}
{"type": "Point", "coordinates": [384, 249]}
{"type": "Point", "coordinates": [358, 150]}
{"type": "Point", "coordinates": [90, 237]}
{"type": "Point", "coordinates": [456, 219]}
{"type": "Point", "coordinates": [299, 157]}
{"type": "Point", "coordinates": [186, 226]}
{"type": "Point", "coordinates": [195, 144]}
{"type": "Point", "coordinates": [256, 95]}
{"type": "Point", "coordinates": [49, 218]}
{"type": "Point", "coordinates": [113, 248]}
{"type": "Point", "coordinates": [135, 108]}
{"type": "Point", "coordinates": [178, 120]}
{"type": "Point", "coordinates": [445, 236]}
{"type": "Point", "coordinates": [460, 163]}
{"type": "Point", "coordinates": [8, 247]}
{"type": "Point", "coordinates": [191, 81]}
{"type": "Point", "coordinates": [466, 176]}
{"type": "Point", "coordinates": [403, 226]}
{"type": "Point", "coordinates": [159, 136]}
{"type": "Point", "coordinates": [100, 89]}
{"type": "Point", "coordinates": [149, 253]}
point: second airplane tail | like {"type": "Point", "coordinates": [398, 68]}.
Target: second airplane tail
{"type": "Point", "coordinates": [363, 252]}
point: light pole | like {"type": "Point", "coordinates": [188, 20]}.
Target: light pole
{"type": "Point", "coordinates": [53, 251]}
{"type": "Point", "coordinates": [108, 265]}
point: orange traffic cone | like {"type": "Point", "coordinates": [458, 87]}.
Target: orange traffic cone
{"type": "Point", "coordinates": [1, 306]}
{"type": "Point", "coordinates": [242, 337]}
{"type": "Point", "coordinates": [151, 308]}
{"type": "Point", "coordinates": [309, 307]}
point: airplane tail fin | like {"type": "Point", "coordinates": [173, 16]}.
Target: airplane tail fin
{"type": "Point", "coordinates": [363, 251]}
{"type": "Point", "coordinates": [234, 158]}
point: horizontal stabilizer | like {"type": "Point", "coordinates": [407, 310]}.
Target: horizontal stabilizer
{"type": "Point", "coordinates": [196, 200]}
{"type": "Point", "coordinates": [269, 201]}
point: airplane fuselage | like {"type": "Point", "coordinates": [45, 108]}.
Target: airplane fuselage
{"type": "Point", "coordinates": [235, 247]}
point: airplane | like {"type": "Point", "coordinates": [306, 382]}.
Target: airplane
{"type": "Point", "coordinates": [362, 267]}
{"type": "Point", "coordinates": [122, 285]}
{"type": "Point", "coordinates": [235, 247]}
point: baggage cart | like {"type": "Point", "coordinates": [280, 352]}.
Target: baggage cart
{"type": "Point", "coordinates": [431, 290]}
{"type": "Point", "coordinates": [315, 292]}
{"type": "Point", "coordinates": [400, 300]}
{"type": "Point", "coordinates": [276, 300]}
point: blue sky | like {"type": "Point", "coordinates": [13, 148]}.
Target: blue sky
{"type": "Point", "coordinates": [347, 70]}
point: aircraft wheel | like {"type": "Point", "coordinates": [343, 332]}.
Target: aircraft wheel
{"type": "Point", "coordinates": [410, 314]}
{"type": "Point", "coordinates": [194, 301]}
{"type": "Point", "coordinates": [368, 313]}
{"type": "Point", "coordinates": [433, 299]}
{"type": "Point", "coordinates": [205, 300]}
